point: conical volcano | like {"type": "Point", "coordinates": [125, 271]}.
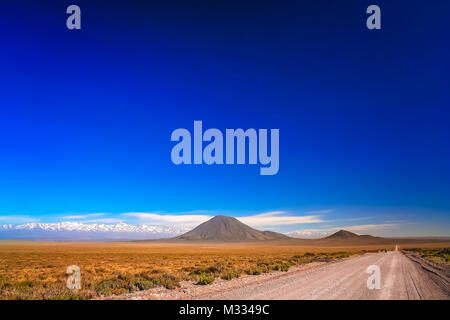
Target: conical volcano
{"type": "Point", "coordinates": [223, 228]}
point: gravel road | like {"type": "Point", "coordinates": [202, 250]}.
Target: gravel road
{"type": "Point", "coordinates": [401, 278]}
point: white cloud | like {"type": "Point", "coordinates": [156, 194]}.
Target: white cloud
{"type": "Point", "coordinates": [273, 218]}
{"type": "Point", "coordinates": [104, 220]}
{"type": "Point", "coordinates": [17, 219]}
{"type": "Point", "coordinates": [84, 216]}
{"type": "Point", "coordinates": [367, 227]}
{"type": "Point", "coordinates": [188, 220]}
{"type": "Point", "coordinates": [277, 218]}
{"type": "Point", "coordinates": [74, 217]}
{"type": "Point", "coordinates": [320, 211]}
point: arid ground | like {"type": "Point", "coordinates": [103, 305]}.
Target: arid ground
{"type": "Point", "coordinates": [37, 270]}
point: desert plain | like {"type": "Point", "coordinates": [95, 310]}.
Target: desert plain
{"type": "Point", "coordinates": [37, 270]}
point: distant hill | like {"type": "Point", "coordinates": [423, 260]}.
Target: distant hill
{"type": "Point", "coordinates": [344, 237]}
{"type": "Point", "coordinates": [223, 228]}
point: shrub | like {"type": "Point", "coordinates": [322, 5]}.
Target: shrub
{"type": "Point", "coordinates": [205, 278]}
{"type": "Point", "coordinates": [68, 296]}
{"type": "Point", "coordinates": [25, 284]}
{"type": "Point", "coordinates": [143, 284]}
{"type": "Point", "coordinates": [282, 267]}
{"type": "Point", "coordinates": [168, 281]}
{"type": "Point", "coordinates": [229, 274]}
{"type": "Point", "coordinates": [257, 271]}
{"type": "Point", "coordinates": [111, 286]}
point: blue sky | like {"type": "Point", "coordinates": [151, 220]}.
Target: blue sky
{"type": "Point", "coordinates": [86, 116]}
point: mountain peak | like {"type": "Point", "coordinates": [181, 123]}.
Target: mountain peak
{"type": "Point", "coordinates": [225, 228]}
{"type": "Point", "coordinates": [221, 217]}
{"type": "Point", "coordinates": [343, 234]}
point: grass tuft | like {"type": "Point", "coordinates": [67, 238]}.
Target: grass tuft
{"type": "Point", "coordinates": [205, 278]}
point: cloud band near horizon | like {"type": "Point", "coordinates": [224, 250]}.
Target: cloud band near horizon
{"type": "Point", "coordinates": [267, 219]}
{"type": "Point", "coordinates": [311, 223]}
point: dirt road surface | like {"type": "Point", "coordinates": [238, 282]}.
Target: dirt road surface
{"type": "Point", "coordinates": [401, 278]}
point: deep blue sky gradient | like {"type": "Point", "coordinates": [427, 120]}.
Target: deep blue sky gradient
{"type": "Point", "coordinates": [86, 116]}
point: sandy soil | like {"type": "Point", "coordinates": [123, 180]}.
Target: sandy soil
{"type": "Point", "coordinates": [401, 278]}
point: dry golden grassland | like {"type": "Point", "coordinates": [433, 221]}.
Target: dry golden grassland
{"type": "Point", "coordinates": [37, 270]}
{"type": "Point", "coordinates": [440, 256]}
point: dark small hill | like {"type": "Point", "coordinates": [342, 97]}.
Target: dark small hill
{"type": "Point", "coordinates": [344, 237]}
{"type": "Point", "coordinates": [223, 228]}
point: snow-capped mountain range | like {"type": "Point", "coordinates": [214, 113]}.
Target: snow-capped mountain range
{"type": "Point", "coordinates": [310, 234]}
{"type": "Point", "coordinates": [95, 227]}
{"type": "Point", "coordinates": [78, 231]}
{"type": "Point", "coordinates": [69, 230]}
